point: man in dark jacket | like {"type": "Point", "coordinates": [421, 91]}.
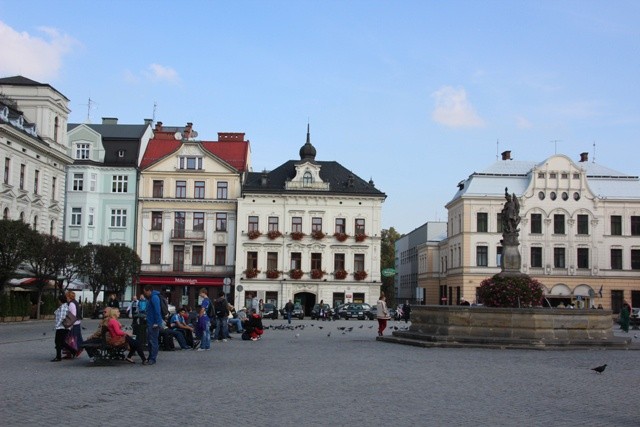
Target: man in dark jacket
{"type": "Point", "coordinates": [406, 312]}
{"type": "Point", "coordinates": [154, 322]}
{"type": "Point", "coordinates": [288, 309]}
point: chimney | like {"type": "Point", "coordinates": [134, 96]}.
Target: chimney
{"type": "Point", "coordinates": [506, 155]}
{"type": "Point", "coordinates": [265, 178]}
{"type": "Point", "coordinates": [109, 120]}
{"type": "Point", "coordinates": [148, 121]}
{"type": "Point", "coordinates": [584, 157]}
{"type": "Point", "coordinates": [187, 131]}
{"type": "Point", "coordinates": [158, 127]}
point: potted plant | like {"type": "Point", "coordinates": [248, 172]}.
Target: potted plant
{"type": "Point", "coordinates": [360, 237]}
{"type": "Point", "coordinates": [296, 235]}
{"type": "Point", "coordinates": [318, 235]}
{"type": "Point", "coordinates": [274, 234]}
{"type": "Point", "coordinates": [295, 273]}
{"type": "Point", "coordinates": [273, 274]}
{"type": "Point", "coordinates": [340, 274]}
{"type": "Point", "coordinates": [341, 237]}
{"type": "Point", "coordinates": [316, 273]}
{"type": "Point", "coordinates": [254, 234]}
{"type": "Point", "coordinates": [360, 275]}
{"type": "Point", "coordinates": [250, 273]}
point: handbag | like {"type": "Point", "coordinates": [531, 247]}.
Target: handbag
{"type": "Point", "coordinates": [69, 320]}
{"type": "Point", "coordinates": [71, 340]}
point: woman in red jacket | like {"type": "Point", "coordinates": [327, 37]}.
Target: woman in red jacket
{"type": "Point", "coordinates": [117, 337]}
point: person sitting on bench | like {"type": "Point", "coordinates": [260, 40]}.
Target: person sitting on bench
{"type": "Point", "coordinates": [117, 337]}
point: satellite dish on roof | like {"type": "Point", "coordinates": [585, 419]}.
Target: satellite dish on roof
{"type": "Point", "coordinates": [177, 136]}
{"type": "Point", "coordinates": [194, 134]}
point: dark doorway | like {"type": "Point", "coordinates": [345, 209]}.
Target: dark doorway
{"type": "Point", "coordinates": [306, 300]}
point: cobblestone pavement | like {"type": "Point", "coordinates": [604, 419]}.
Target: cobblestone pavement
{"type": "Point", "coordinates": [304, 377]}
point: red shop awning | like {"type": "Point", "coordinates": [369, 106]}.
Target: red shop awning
{"type": "Point", "coordinates": [180, 281]}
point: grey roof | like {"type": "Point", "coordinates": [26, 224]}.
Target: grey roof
{"type": "Point", "coordinates": [23, 81]}
{"type": "Point", "coordinates": [117, 137]}
{"type": "Point", "coordinates": [27, 128]}
{"type": "Point", "coordinates": [116, 131]}
{"type": "Point", "coordinates": [332, 172]}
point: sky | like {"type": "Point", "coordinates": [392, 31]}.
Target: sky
{"type": "Point", "coordinates": [416, 95]}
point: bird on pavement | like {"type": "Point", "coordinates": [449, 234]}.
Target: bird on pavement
{"type": "Point", "coordinates": [361, 326]}
{"type": "Point", "coordinates": [599, 369]}
{"type": "Point", "coordinates": [319, 327]}
{"type": "Point", "coordinates": [329, 334]}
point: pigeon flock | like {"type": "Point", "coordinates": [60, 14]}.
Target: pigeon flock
{"type": "Point", "coordinates": [342, 329]}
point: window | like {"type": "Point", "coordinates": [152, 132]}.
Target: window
{"type": "Point", "coordinates": [558, 224]}
{"type": "Point", "coordinates": [222, 190]}
{"type": "Point", "coordinates": [296, 260]}
{"type": "Point", "coordinates": [5, 213]}
{"type": "Point", "coordinates": [616, 259]}
{"type": "Point", "coordinates": [316, 224]}
{"type": "Point", "coordinates": [482, 222]}
{"type": "Point", "coordinates": [90, 217]}
{"type": "Point", "coordinates": [78, 181]}
{"type": "Point", "coordinates": [307, 179]}
{"type": "Point", "coordinates": [540, 174]}
{"type": "Point", "coordinates": [482, 256]}
{"type": "Point", "coordinates": [220, 255]}
{"type": "Point", "coordinates": [558, 258]}
{"type": "Point", "coordinates": [536, 257]}
{"type": "Point", "coordinates": [338, 262]}
{"type": "Point", "coordinates": [22, 174]}
{"type": "Point", "coordinates": [341, 225]}
{"type": "Point", "coordinates": [118, 217]}
{"type": "Point", "coordinates": [616, 225]}
{"type": "Point", "coordinates": [156, 220]}
{"type": "Point", "coordinates": [121, 153]}
{"type": "Point", "coordinates": [82, 151]}
{"type": "Point", "coordinates": [316, 261]}
{"type": "Point", "coordinates": [252, 259]}
{"type": "Point", "coordinates": [35, 222]}
{"type": "Point", "coordinates": [158, 188]}
{"type": "Point", "coordinates": [221, 222]}
{"type": "Point", "coordinates": [198, 221]}
{"type": "Point", "coordinates": [7, 164]}
{"type": "Point", "coordinates": [53, 187]}
{"type": "Point", "coordinates": [181, 189]}
{"type": "Point", "coordinates": [635, 259]}
{"type": "Point", "coordinates": [52, 226]}
{"type": "Point", "coordinates": [635, 225]}
{"type": "Point", "coordinates": [36, 178]}
{"type": "Point", "coordinates": [553, 175]}
{"type": "Point", "coordinates": [156, 254]}
{"type": "Point", "coordinates": [119, 184]}
{"type": "Point", "coordinates": [273, 223]}
{"type": "Point", "coordinates": [583, 224]}
{"type": "Point", "coordinates": [583, 257]}
{"type": "Point", "coordinates": [76, 216]}
{"type": "Point", "coordinates": [564, 175]}
{"type": "Point", "coordinates": [253, 223]}
{"type": "Point", "coordinates": [179, 219]}
{"type": "Point", "coordinates": [198, 190]}
{"type": "Point", "coordinates": [92, 182]}
{"type": "Point", "coordinates": [536, 223]}
{"type": "Point", "coordinates": [296, 224]}
{"type": "Point", "coordinates": [358, 262]}
{"type": "Point", "coordinates": [499, 256]}
{"type": "Point", "coordinates": [272, 260]}
{"type": "Point", "coordinates": [191, 163]}
{"type": "Point", "coordinates": [499, 222]}
{"type": "Point", "coordinates": [178, 258]}
{"type": "Point", "coordinates": [359, 226]}
{"type": "Point", "coordinates": [56, 125]}
{"type": "Point", "coordinates": [196, 255]}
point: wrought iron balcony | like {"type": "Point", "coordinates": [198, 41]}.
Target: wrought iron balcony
{"type": "Point", "coordinates": [182, 234]}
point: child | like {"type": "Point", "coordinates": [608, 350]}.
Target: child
{"type": "Point", "coordinates": [202, 329]}
{"type": "Point", "coordinates": [254, 326]}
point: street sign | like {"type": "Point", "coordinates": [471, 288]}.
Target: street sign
{"type": "Point", "coordinates": [388, 272]}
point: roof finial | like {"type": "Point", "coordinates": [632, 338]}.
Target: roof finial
{"type": "Point", "coordinates": [308, 133]}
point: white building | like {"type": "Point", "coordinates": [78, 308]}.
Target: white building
{"type": "Point", "coordinates": [579, 232]}
{"type": "Point", "coordinates": [308, 231]}
{"type": "Point", "coordinates": [33, 120]}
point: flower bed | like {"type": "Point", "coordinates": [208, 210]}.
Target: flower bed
{"type": "Point", "coordinates": [511, 291]}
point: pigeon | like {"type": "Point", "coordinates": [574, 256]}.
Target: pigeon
{"type": "Point", "coordinates": [370, 326]}
{"type": "Point", "coordinates": [599, 369]}
{"type": "Point", "coordinates": [329, 334]}
{"type": "Point", "coordinates": [44, 333]}
{"type": "Point", "coordinates": [361, 326]}
{"type": "Point", "coordinates": [319, 327]}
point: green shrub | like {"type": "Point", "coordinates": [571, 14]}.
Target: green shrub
{"type": "Point", "coordinates": [510, 291]}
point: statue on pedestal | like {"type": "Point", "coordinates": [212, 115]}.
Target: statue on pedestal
{"type": "Point", "coordinates": [511, 260]}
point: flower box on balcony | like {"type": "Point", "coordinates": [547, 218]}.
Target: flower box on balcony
{"type": "Point", "coordinates": [251, 272]}
{"type": "Point", "coordinates": [360, 237]}
{"type": "Point", "coordinates": [341, 237]}
{"type": "Point", "coordinates": [318, 235]}
{"type": "Point", "coordinates": [295, 273]}
{"type": "Point", "coordinates": [273, 274]}
{"type": "Point", "coordinates": [274, 234]}
{"type": "Point", "coordinates": [360, 275]}
{"type": "Point", "coordinates": [296, 235]}
{"type": "Point", "coordinates": [317, 274]}
{"type": "Point", "coordinates": [254, 234]}
{"type": "Point", "coordinates": [340, 274]}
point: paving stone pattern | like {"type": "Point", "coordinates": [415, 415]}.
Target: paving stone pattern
{"type": "Point", "coordinates": [303, 377]}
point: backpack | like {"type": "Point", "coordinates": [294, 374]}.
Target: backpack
{"type": "Point", "coordinates": [220, 306]}
{"type": "Point", "coordinates": [210, 312]}
{"type": "Point", "coordinates": [164, 307]}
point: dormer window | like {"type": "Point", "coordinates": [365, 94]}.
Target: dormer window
{"type": "Point", "coordinates": [121, 153]}
{"type": "Point", "coordinates": [190, 163]}
{"type": "Point", "coordinates": [82, 151]}
{"type": "Point", "coordinates": [307, 179]}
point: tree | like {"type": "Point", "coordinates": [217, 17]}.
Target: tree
{"type": "Point", "coordinates": [68, 263]}
{"type": "Point", "coordinates": [388, 260]}
{"type": "Point", "coordinates": [43, 261]}
{"type": "Point", "coordinates": [90, 268]}
{"type": "Point", "coordinates": [125, 268]}
{"type": "Point", "coordinates": [14, 248]}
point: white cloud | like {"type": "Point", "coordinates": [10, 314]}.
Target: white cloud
{"type": "Point", "coordinates": [159, 73]}
{"type": "Point", "coordinates": [34, 57]}
{"type": "Point", "coordinates": [453, 109]}
{"type": "Point", "coordinates": [523, 123]}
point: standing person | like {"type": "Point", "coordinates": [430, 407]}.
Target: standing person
{"type": "Point", "coordinates": [113, 301]}
{"type": "Point", "coordinates": [132, 310]}
{"type": "Point", "coordinates": [261, 306]}
{"type": "Point", "coordinates": [208, 307]}
{"type": "Point", "coordinates": [222, 318]}
{"type": "Point", "coordinates": [383, 314]}
{"type": "Point", "coordinates": [288, 308]}
{"type": "Point", "coordinates": [154, 322]}
{"type": "Point", "coordinates": [117, 337]}
{"type": "Point", "coordinates": [625, 312]}
{"type": "Point", "coordinates": [76, 310]}
{"type": "Point", "coordinates": [203, 331]}
{"type": "Point", "coordinates": [255, 304]}
{"type": "Point", "coordinates": [61, 331]}
{"type": "Point", "coordinates": [406, 311]}
{"type": "Point", "coordinates": [321, 311]}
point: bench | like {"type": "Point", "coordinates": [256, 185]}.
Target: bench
{"type": "Point", "coordinates": [102, 351]}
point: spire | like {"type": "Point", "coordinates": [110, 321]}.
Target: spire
{"type": "Point", "coordinates": [308, 151]}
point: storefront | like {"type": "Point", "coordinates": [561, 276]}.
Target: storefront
{"type": "Point", "coordinates": [183, 290]}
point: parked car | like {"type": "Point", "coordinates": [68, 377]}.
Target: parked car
{"type": "Point", "coordinates": [315, 311]}
{"type": "Point", "coordinates": [374, 313]}
{"type": "Point", "coordinates": [297, 313]}
{"type": "Point", "coordinates": [360, 311]}
{"type": "Point", "coordinates": [269, 311]}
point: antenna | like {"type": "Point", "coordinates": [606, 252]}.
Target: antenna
{"type": "Point", "coordinates": [90, 104]}
{"type": "Point", "coordinates": [594, 152]}
{"type": "Point", "coordinates": [497, 148]}
{"type": "Point", "coordinates": [155, 107]}
{"type": "Point", "coordinates": [555, 145]}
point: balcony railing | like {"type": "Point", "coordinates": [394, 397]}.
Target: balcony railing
{"type": "Point", "coordinates": [181, 234]}
{"type": "Point", "coordinates": [186, 268]}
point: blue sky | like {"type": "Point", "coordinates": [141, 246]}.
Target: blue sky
{"type": "Point", "coordinates": [414, 94]}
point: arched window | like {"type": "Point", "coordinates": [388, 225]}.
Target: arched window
{"type": "Point", "coordinates": [5, 214]}
{"type": "Point", "coordinates": [52, 227]}
{"type": "Point", "coordinates": [35, 222]}
{"type": "Point", "coordinates": [56, 124]}
{"type": "Point", "coordinates": [307, 179]}
{"type": "Point", "coordinates": [22, 216]}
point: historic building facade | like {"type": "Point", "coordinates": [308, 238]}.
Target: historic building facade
{"type": "Point", "coordinates": [579, 232]}
{"type": "Point", "coordinates": [102, 181]}
{"type": "Point", "coordinates": [34, 152]}
{"type": "Point", "coordinates": [187, 207]}
{"type": "Point", "coordinates": [308, 231]}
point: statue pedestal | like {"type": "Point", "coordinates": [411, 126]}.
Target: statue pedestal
{"type": "Point", "coordinates": [511, 260]}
